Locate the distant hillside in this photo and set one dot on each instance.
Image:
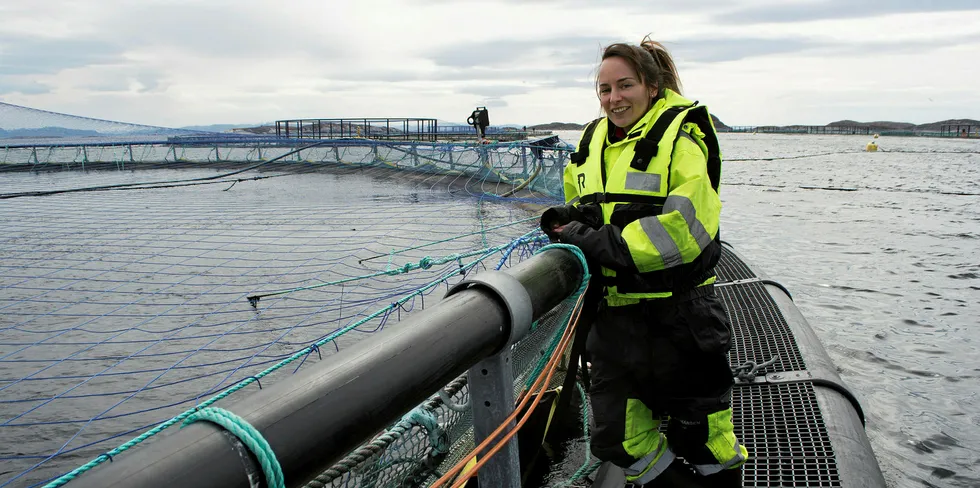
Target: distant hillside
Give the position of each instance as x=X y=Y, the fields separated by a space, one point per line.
x=213 y=127
x=719 y=125
x=46 y=132
x=880 y=125
x=938 y=125
x=557 y=126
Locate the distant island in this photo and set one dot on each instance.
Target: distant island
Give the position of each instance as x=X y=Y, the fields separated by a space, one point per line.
x=942 y=128
x=719 y=125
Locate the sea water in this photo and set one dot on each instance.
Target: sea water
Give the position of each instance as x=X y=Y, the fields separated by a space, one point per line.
x=878 y=249
x=881 y=252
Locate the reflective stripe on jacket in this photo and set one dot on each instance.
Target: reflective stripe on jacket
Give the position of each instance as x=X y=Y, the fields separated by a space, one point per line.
x=660 y=213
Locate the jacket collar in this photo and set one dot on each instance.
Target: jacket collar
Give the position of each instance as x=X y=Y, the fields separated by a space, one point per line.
x=669 y=99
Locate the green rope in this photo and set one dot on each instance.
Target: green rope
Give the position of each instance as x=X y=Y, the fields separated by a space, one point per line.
x=543 y=360
x=424 y=263
x=249 y=436
x=64 y=479
x=380 y=442
x=587 y=467
x=399 y=251
x=479 y=213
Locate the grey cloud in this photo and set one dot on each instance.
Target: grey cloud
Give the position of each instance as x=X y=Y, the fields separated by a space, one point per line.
x=47 y=56
x=733 y=49
x=553 y=76
x=120 y=80
x=495 y=91
x=494 y=103
x=838 y=9
x=219 y=29
x=31 y=87
x=559 y=51
x=627 y=6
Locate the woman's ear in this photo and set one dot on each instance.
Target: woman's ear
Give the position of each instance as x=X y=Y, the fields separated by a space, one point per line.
x=653 y=92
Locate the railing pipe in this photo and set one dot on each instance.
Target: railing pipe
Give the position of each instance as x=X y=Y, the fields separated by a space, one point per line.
x=315 y=417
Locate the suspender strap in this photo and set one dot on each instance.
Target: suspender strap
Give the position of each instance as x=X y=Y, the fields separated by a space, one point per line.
x=701 y=117
x=646 y=148
x=579 y=157
x=620 y=198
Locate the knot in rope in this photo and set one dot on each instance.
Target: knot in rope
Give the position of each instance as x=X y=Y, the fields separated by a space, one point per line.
x=438 y=437
x=249 y=436
x=425 y=263
x=747 y=370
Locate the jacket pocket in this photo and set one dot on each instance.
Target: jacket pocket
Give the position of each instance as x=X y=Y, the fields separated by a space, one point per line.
x=709 y=326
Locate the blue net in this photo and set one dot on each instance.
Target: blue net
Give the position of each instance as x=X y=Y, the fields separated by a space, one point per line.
x=130 y=269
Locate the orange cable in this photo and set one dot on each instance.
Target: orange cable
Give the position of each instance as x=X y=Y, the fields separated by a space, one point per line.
x=510 y=434
x=573 y=321
x=462 y=463
x=551 y=367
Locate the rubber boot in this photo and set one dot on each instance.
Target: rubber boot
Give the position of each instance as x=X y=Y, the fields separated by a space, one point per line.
x=729 y=478
x=677 y=475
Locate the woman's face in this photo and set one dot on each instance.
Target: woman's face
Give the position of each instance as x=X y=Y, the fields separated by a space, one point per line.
x=622 y=95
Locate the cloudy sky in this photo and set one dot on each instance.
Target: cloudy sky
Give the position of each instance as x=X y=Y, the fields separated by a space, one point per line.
x=175 y=63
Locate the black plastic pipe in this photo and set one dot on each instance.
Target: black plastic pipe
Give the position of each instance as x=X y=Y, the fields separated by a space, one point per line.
x=315 y=417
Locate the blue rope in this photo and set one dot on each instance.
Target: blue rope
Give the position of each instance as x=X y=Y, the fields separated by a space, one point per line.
x=249 y=436
x=295 y=356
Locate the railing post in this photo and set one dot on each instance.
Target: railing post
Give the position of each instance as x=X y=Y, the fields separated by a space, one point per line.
x=492 y=400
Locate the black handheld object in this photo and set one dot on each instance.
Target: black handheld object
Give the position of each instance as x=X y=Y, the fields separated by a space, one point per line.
x=479 y=119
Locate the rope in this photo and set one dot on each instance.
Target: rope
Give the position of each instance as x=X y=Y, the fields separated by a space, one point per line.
x=64 y=479
x=376 y=445
x=746 y=371
x=424 y=263
x=152 y=184
x=587 y=467
x=249 y=436
x=557 y=339
x=399 y=251
x=542 y=382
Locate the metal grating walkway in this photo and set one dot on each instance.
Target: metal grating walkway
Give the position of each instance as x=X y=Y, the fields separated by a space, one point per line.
x=730 y=268
x=780 y=424
x=761 y=331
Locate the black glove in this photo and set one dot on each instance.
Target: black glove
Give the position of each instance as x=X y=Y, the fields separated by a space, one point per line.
x=590 y=215
x=604 y=245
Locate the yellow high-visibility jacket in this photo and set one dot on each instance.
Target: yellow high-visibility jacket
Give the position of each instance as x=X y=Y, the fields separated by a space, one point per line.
x=658 y=193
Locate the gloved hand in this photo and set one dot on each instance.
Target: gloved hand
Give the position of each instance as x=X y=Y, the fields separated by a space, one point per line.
x=604 y=245
x=556 y=217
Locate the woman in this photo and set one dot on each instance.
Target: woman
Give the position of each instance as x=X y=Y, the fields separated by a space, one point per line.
x=642 y=204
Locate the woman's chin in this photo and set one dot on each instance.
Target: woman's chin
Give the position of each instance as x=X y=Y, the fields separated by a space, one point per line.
x=622 y=120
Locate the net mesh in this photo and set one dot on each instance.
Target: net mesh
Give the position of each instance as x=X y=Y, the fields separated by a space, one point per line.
x=127 y=269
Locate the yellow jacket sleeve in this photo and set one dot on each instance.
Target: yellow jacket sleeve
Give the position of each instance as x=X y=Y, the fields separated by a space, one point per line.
x=689 y=221
x=568 y=184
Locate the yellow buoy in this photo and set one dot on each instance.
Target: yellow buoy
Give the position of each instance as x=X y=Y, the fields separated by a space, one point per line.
x=873 y=145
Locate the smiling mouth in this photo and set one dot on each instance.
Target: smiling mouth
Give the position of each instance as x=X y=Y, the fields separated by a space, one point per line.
x=619 y=110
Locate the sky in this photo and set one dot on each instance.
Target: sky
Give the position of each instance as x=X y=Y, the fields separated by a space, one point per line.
x=752 y=62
